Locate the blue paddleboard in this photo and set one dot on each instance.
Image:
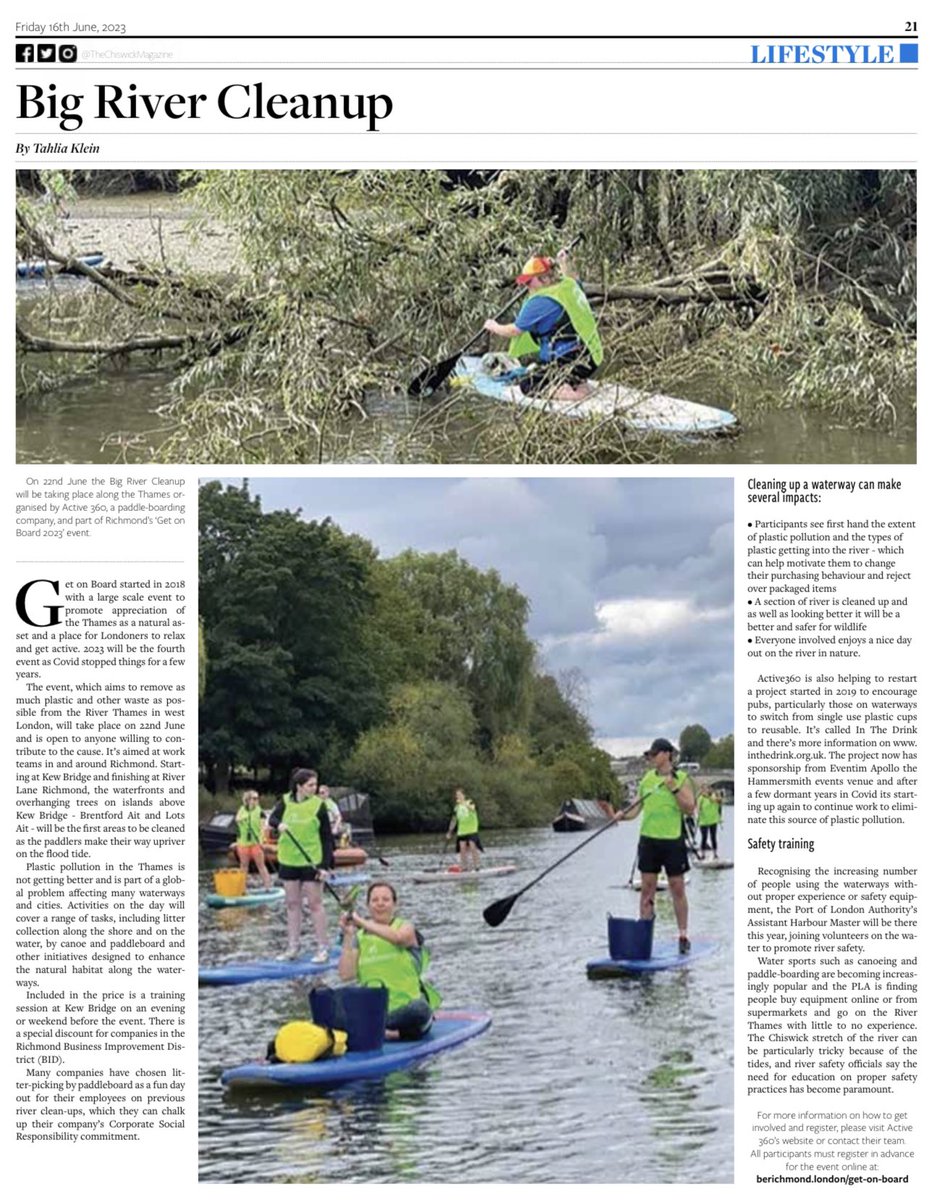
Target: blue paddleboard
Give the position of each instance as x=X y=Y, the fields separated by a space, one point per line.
x=249 y=900
x=40 y=267
x=449 y=1029
x=264 y=968
x=348 y=878
x=665 y=957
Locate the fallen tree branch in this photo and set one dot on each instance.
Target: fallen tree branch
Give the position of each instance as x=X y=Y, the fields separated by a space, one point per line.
x=30 y=341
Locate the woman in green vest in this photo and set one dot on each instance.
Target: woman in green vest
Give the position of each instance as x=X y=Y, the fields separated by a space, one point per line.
x=250 y=826
x=665 y=799
x=709 y=817
x=384 y=950
x=305 y=858
x=465 y=824
x=557 y=328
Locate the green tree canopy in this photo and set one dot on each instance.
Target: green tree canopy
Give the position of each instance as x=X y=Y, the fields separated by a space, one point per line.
x=693 y=743
x=471 y=633
x=720 y=755
x=283 y=601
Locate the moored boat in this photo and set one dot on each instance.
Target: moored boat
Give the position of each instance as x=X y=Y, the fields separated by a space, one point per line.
x=577 y=815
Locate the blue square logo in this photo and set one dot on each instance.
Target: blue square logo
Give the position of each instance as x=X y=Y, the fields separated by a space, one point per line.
x=907 y=52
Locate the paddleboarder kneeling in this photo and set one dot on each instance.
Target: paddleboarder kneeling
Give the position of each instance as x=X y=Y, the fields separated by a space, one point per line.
x=384 y=950
x=465 y=825
x=665 y=799
x=557 y=328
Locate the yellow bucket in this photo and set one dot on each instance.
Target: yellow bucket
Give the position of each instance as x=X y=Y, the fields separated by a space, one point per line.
x=229 y=881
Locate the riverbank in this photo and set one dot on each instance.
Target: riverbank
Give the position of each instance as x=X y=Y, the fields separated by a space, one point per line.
x=151 y=228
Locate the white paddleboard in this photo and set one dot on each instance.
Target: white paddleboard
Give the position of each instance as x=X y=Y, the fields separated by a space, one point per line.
x=642 y=411
x=445 y=875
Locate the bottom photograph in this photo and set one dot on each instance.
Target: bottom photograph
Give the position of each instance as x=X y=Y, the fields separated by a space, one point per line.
x=466 y=835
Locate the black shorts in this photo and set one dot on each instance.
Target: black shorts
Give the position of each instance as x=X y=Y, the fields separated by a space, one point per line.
x=656 y=853
x=463 y=839
x=305 y=874
x=572 y=368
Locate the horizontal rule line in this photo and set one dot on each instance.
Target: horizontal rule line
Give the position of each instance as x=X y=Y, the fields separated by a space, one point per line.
x=857 y=133
x=456 y=37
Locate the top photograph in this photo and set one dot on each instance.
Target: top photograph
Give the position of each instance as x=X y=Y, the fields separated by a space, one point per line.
x=466 y=316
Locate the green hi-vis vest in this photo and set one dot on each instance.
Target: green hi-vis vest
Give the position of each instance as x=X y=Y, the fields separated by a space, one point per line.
x=303 y=820
x=570 y=294
x=661 y=814
x=249 y=822
x=708 y=811
x=398 y=968
x=466 y=819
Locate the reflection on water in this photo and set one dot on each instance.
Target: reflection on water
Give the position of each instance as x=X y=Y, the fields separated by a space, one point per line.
x=626 y=1080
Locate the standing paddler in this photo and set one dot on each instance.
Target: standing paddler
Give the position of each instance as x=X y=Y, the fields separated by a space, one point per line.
x=665 y=799
x=250 y=831
x=709 y=818
x=305 y=858
x=556 y=327
x=465 y=824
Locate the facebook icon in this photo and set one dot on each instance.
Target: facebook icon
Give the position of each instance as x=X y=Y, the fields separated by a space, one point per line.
x=25 y=52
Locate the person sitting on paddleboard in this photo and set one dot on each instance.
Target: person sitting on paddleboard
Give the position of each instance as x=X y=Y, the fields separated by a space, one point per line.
x=465 y=824
x=305 y=858
x=557 y=328
x=384 y=950
x=665 y=799
x=250 y=825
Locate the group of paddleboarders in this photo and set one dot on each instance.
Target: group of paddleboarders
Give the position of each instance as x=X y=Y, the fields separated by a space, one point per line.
x=555 y=328
x=385 y=950
x=380 y=950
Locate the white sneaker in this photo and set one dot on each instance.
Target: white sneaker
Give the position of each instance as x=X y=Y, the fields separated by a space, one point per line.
x=322 y=955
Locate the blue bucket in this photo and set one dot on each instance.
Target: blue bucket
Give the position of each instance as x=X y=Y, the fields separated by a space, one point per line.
x=360 y=1011
x=629 y=939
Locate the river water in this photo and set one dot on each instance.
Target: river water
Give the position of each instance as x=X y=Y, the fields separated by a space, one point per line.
x=115 y=418
x=577 y=1081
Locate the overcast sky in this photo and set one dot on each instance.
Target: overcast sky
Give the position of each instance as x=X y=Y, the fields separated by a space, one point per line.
x=630 y=581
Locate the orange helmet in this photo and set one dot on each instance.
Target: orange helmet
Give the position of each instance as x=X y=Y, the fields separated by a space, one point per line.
x=535 y=266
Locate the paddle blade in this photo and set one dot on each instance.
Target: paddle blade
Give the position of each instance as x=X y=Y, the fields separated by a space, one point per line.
x=433 y=377
x=496 y=914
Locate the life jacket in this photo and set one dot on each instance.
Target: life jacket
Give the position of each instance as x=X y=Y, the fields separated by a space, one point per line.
x=662 y=818
x=398 y=968
x=302 y=819
x=708 y=810
x=570 y=295
x=466 y=819
x=249 y=823
x=303 y=1042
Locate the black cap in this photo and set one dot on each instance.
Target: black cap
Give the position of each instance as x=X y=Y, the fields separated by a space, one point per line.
x=660 y=744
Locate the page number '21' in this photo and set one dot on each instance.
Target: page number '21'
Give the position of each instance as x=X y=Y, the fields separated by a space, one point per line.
x=910 y=26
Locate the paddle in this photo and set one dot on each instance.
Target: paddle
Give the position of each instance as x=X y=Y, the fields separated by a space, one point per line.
x=434 y=376
x=340 y=900
x=495 y=914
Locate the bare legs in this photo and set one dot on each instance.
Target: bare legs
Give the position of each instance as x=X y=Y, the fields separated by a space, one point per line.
x=676 y=886
x=296 y=893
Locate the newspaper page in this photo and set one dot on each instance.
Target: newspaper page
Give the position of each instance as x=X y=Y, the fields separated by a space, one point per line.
x=465 y=590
